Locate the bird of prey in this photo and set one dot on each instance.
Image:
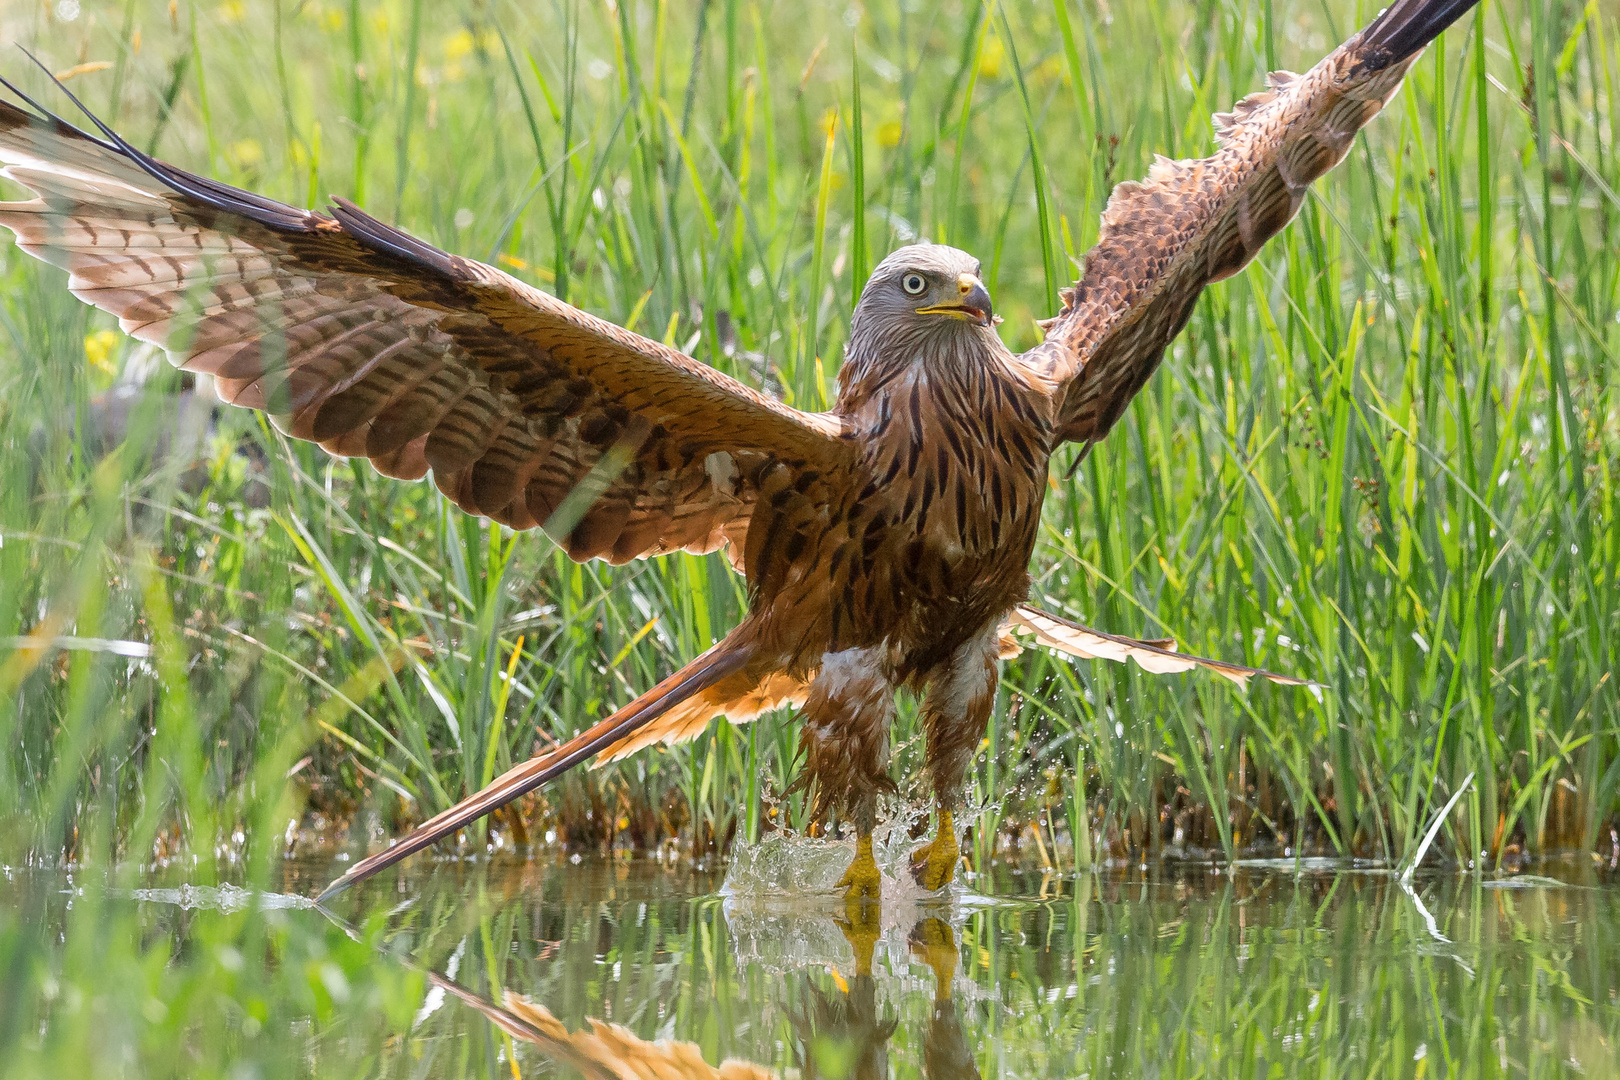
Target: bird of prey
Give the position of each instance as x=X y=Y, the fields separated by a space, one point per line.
x=885 y=542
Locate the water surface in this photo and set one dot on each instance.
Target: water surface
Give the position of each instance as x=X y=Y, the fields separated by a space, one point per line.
x=641 y=968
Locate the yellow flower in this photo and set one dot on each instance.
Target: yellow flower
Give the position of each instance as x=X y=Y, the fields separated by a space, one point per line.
x=458 y=44
x=889 y=133
x=329 y=19
x=231 y=11
x=98 y=349
x=245 y=154
x=990 y=59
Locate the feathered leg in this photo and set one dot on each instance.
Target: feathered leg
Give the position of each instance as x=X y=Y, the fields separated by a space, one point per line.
x=845 y=739
x=955 y=715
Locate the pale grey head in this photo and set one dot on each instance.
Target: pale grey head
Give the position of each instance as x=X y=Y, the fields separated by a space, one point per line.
x=925 y=302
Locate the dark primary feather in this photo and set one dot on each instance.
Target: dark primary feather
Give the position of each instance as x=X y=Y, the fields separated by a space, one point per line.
x=45 y=114
x=1407 y=26
x=220 y=196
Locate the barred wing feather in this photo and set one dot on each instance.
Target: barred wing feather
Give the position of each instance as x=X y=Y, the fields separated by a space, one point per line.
x=1194 y=222
x=374 y=344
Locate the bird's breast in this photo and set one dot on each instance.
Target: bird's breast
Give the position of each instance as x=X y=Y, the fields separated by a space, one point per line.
x=960 y=466
x=957 y=480
x=924 y=543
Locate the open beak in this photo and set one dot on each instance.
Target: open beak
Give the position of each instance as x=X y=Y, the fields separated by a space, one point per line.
x=972 y=302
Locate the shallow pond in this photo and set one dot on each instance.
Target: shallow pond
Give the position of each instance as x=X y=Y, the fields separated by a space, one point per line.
x=636 y=968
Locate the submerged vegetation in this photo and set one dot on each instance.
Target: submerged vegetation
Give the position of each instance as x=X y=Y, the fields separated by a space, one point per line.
x=1386 y=456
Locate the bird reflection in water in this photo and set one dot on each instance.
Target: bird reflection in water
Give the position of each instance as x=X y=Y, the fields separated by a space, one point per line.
x=841 y=1031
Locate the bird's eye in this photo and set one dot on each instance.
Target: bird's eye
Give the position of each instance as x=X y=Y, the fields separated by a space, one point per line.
x=913 y=284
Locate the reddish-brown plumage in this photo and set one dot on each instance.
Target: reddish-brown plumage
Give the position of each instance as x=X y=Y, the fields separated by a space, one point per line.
x=879 y=574
x=885 y=543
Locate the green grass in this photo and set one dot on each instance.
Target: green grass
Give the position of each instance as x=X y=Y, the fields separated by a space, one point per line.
x=1384 y=457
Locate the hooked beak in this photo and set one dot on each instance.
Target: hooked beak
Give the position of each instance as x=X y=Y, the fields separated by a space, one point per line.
x=972 y=303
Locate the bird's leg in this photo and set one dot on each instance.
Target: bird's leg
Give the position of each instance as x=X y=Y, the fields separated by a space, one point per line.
x=845 y=739
x=955 y=714
x=863 y=887
x=862 y=880
x=934 y=864
x=863 y=894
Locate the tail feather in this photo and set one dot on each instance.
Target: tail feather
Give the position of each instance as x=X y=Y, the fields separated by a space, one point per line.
x=724 y=660
x=739 y=698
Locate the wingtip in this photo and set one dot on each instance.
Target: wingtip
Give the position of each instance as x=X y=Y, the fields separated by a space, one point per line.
x=1407 y=26
x=1314 y=687
x=1150 y=656
x=43 y=115
x=719 y=661
x=212 y=193
x=332 y=890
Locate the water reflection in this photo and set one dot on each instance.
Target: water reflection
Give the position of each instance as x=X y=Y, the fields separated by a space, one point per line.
x=640 y=969
x=839 y=1031
x=1190 y=974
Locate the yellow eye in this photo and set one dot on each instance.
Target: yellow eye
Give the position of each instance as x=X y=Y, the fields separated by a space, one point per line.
x=913 y=284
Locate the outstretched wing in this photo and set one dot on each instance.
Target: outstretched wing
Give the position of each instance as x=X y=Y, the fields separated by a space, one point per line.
x=1193 y=222
x=371 y=343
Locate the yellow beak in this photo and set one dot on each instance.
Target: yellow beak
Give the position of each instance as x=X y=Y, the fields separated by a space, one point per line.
x=972 y=302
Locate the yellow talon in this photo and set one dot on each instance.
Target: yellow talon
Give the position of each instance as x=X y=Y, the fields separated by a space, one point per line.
x=933 y=865
x=863 y=887
x=862 y=880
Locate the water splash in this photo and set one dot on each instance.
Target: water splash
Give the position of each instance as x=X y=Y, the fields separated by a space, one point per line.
x=793 y=868
x=785 y=912
x=225 y=898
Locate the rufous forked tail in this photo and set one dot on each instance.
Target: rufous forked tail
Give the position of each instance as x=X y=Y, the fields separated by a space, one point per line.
x=719 y=665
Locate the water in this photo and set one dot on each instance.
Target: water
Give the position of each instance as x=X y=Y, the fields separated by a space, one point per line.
x=646 y=969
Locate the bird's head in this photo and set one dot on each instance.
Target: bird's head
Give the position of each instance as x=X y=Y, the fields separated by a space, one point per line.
x=923 y=304
x=922 y=291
